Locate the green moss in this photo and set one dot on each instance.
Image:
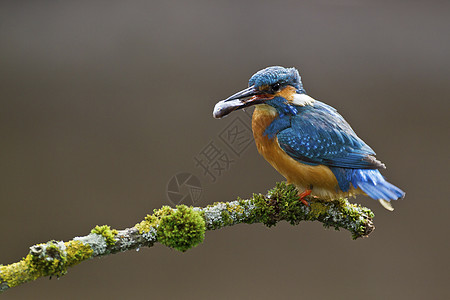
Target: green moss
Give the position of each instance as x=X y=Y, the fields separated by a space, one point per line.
x=107 y=233
x=367 y=211
x=15 y=274
x=318 y=209
x=180 y=229
x=281 y=204
x=350 y=211
x=150 y=221
x=48 y=259
x=184 y=227
x=226 y=219
x=265 y=210
x=353 y=214
x=77 y=252
x=235 y=209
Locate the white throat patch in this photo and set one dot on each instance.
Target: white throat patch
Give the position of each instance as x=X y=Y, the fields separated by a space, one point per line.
x=302 y=100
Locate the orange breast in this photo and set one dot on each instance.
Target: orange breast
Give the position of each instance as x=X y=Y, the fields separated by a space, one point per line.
x=320 y=177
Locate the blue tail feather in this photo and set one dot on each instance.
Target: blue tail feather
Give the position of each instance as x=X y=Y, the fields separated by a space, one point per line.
x=370 y=181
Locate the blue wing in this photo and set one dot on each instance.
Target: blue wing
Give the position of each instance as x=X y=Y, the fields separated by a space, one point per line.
x=319 y=135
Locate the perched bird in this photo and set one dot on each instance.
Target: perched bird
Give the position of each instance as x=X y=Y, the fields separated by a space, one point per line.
x=308 y=141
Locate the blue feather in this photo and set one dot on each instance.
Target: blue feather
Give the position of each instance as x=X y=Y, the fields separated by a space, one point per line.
x=271 y=75
x=370 y=181
x=319 y=135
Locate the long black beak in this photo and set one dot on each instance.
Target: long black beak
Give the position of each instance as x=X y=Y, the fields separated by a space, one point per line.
x=245 y=98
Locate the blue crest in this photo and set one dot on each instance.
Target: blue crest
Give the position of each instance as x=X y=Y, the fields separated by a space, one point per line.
x=271 y=75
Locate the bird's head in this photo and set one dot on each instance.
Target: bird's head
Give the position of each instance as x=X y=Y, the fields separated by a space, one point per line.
x=278 y=87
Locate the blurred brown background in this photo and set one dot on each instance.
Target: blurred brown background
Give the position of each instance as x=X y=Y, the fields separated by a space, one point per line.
x=102 y=102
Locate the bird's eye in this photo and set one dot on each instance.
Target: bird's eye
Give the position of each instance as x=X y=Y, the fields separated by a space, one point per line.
x=276 y=87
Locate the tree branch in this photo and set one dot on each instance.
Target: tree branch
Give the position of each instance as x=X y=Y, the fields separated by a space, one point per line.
x=184 y=227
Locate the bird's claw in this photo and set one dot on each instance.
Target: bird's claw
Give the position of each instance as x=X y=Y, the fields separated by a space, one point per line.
x=304 y=201
x=302 y=196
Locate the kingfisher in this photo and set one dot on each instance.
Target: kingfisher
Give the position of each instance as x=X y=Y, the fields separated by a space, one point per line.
x=308 y=141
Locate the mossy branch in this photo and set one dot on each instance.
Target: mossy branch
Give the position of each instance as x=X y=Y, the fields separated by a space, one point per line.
x=184 y=227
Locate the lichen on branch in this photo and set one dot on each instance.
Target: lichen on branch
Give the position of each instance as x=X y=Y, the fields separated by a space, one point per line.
x=184 y=227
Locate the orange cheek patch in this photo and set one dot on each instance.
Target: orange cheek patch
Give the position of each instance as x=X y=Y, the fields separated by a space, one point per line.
x=287 y=93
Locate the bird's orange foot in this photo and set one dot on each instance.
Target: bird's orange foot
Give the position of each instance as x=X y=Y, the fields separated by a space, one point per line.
x=302 y=196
